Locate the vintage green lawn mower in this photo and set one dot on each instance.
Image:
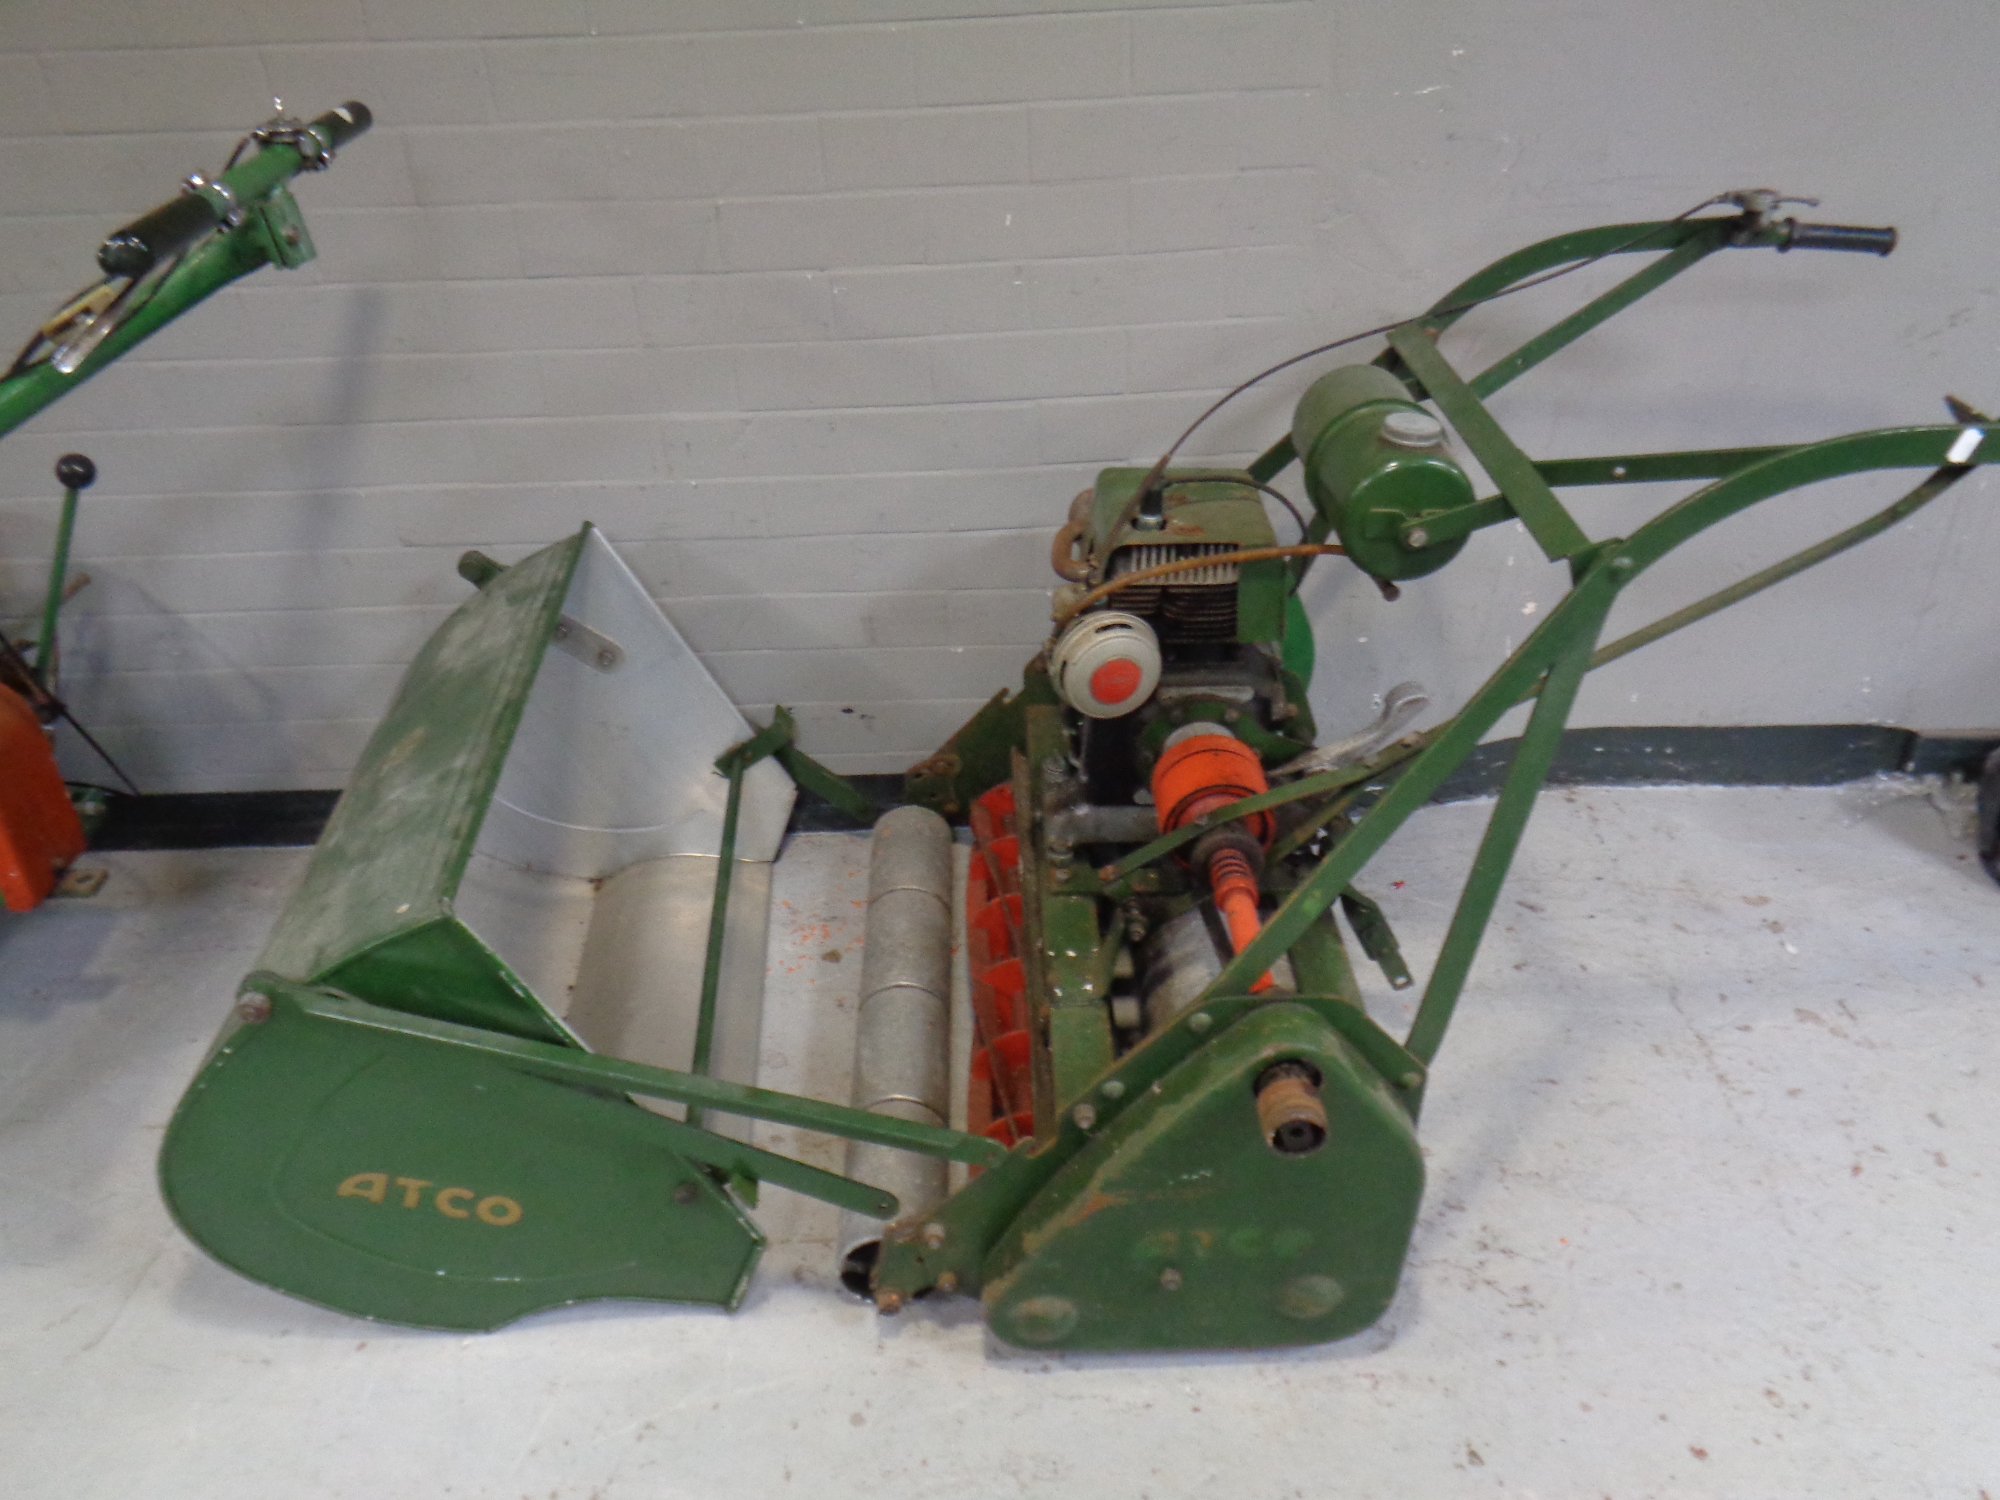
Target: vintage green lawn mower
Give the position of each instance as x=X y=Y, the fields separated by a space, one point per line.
x=499 y=1053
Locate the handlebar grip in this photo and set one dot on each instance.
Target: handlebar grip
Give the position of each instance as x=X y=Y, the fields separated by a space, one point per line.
x=1837 y=237
x=179 y=222
x=343 y=124
x=158 y=235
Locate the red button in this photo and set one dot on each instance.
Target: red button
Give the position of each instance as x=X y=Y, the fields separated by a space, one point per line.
x=1116 y=680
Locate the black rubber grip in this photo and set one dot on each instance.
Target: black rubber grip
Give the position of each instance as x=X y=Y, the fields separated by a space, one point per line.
x=1838 y=237
x=342 y=125
x=158 y=235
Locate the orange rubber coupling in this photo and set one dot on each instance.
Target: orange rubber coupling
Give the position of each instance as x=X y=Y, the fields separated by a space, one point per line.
x=1206 y=771
x=1196 y=776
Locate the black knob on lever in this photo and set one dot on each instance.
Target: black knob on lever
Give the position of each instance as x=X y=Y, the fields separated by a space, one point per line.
x=75 y=471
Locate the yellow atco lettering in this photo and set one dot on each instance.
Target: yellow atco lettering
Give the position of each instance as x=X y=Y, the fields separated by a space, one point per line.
x=495 y=1209
x=498 y=1210
x=444 y=1201
x=370 y=1185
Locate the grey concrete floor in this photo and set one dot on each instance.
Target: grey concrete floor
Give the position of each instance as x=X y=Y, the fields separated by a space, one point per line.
x=1713 y=1210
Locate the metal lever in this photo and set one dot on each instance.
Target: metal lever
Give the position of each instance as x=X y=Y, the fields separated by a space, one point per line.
x=1400 y=706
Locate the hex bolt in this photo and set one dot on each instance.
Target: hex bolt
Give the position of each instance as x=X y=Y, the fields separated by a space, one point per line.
x=685 y=1193
x=1170 y=1279
x=934 y=1236
x=607 y=658
x=1085 y=1115
x=254 y=1007
x=888 y=1302
x=1416 y=536
x=947 y=1283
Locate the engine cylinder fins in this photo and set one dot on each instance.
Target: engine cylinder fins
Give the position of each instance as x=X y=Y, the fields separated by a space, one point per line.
x=1199 y=605
x=1106 y=664
x=902 y=1033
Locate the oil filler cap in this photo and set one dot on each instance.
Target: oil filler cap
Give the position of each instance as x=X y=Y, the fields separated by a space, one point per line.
x=1410 y=427
x=1106 y=664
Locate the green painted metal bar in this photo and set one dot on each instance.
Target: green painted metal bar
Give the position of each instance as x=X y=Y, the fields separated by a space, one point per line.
x=1555 y=531
x=203 y=270
x=1525 y=776
x=1384 y=762
x=1561 y=249
x=1304 y=834
x=1648 y=468
x=739 y=1161
x=734 y=763
x=1622 y=468
x=1940 y=481
x=718 y=928
x=1269 y=464
x=46 y=665
x=1376 y=936
x=1577 y=614
x=1587 y=317
x=570 y=1065
x=830 y=785
x=1167 y=843
x=1856 y=453
x=1445 y=525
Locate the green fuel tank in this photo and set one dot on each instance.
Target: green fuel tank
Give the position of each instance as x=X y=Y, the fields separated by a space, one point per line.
x=1374 y=461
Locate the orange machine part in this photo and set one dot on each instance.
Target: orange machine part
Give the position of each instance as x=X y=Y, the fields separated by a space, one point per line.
x=39 y=830
x=1000 y=1095
x=1196 y=776
x=1204 y=772
x=1235 y=885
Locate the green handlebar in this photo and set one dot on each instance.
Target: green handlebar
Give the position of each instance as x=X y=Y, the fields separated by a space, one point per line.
x=206 y=206
x=234 y=202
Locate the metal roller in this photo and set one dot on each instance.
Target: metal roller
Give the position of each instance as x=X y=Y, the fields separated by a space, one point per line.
x=909 y=940
x=903 y=1032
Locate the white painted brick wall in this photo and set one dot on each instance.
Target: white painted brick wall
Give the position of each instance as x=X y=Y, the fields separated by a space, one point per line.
x=823 y=311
